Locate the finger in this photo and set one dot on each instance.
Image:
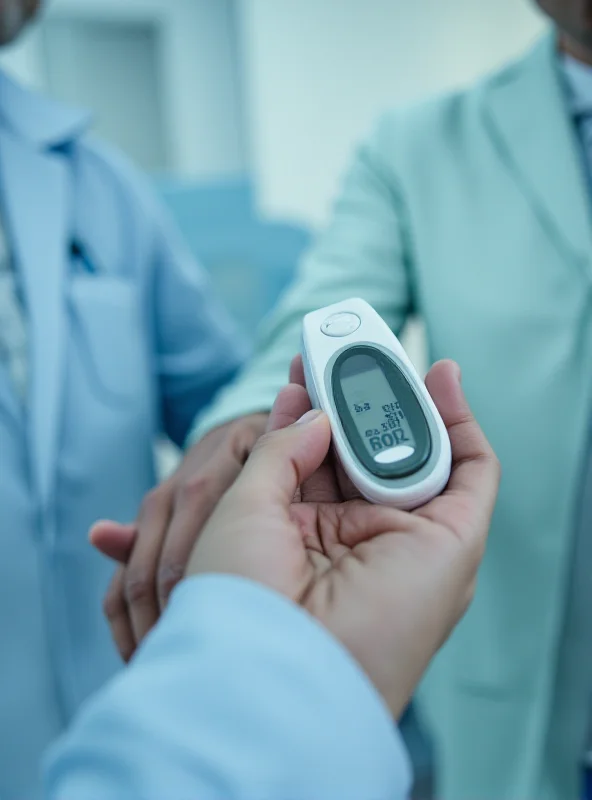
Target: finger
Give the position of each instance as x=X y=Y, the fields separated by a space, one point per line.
x=141 y=572
x=297 y=371
x=346 y=486
x=475 y=474
x=116 y=611
x=291 y=404
x=283 y=460
x=114 y=540
x=325 y=485
x=195 y=502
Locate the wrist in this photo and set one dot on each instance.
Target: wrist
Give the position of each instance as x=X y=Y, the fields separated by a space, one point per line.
x=393 y=657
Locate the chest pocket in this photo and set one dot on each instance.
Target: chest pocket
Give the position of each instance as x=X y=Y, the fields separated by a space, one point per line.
x=107 y=329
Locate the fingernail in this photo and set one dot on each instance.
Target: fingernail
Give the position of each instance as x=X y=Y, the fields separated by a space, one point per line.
x=309 y=417
x=458 y=373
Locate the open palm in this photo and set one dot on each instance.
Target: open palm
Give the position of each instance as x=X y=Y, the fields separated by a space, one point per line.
x=292 y=522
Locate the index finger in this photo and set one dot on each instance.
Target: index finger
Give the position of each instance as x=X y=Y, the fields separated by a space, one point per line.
x=469 y=499
x=297 y=371
x=113 y=539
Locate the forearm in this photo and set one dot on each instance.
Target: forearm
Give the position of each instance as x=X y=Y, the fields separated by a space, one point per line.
x=363 y=254
x=258 y=384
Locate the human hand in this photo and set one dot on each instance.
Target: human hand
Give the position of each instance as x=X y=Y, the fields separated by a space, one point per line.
x=391 y=585
x=155 y=549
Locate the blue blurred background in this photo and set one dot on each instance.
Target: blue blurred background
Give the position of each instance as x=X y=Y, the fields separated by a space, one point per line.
x=251 y=260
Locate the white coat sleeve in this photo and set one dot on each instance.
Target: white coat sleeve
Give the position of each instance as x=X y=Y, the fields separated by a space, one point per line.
x=237 y=695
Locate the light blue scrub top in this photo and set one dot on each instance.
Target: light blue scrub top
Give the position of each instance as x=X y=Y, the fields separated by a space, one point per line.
x=237 y=695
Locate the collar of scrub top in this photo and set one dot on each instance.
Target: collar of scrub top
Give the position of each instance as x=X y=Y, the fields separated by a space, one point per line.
x=578 y=83
x=33 y=131
x=44 y=122
x=47 y=124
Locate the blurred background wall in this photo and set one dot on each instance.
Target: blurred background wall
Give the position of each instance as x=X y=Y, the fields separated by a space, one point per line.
x=318 y=72
x=278 y=90
x=162 y=76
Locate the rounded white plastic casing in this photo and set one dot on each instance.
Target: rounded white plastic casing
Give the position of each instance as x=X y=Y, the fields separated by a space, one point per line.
x=326 y=334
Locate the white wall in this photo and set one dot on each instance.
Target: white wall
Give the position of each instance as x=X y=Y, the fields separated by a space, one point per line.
x=319 y=72
x=200 y=80
x=115 y=67
x=204 y=86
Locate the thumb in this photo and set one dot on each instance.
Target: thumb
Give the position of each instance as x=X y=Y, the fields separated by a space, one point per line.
x=114 y=540
x=283 y=460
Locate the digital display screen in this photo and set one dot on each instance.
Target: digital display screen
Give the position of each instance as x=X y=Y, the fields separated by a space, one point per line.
x=376 y=411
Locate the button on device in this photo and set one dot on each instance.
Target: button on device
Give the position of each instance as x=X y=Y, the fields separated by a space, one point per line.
x=394 y=454
x=341 y=324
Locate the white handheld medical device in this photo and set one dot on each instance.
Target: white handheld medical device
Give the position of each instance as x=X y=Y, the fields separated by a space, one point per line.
x=387 y=431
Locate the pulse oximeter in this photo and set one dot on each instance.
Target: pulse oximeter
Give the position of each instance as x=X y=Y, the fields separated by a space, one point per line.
x=387 y=432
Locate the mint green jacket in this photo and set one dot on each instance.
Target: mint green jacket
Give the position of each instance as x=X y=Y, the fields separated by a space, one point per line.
x=473 y=211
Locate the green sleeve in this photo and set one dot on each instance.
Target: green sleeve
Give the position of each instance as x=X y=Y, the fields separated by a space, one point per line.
x=364 y=253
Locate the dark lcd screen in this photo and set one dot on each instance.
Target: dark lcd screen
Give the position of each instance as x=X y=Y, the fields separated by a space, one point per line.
x=380 y=413
x=376 y=410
